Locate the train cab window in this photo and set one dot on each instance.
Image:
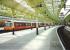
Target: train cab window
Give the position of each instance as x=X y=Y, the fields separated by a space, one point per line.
x=8 y=24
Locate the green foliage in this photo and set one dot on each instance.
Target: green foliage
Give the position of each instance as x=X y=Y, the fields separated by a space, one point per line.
x=67 y=19
x=15 y=9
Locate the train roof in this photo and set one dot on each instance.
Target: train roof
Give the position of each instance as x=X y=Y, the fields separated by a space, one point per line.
x=25 y=21
x=18 y=20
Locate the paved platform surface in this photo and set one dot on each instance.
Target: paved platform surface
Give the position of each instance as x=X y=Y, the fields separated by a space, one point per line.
x=28 y=40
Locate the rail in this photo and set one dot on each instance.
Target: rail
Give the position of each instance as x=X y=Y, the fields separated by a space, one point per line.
x=64 y=37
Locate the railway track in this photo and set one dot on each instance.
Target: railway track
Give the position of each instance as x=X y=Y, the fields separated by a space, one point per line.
x=64 y=36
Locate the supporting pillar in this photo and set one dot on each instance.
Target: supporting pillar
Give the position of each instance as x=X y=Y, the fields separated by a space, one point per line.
x=31 y=26
x=44 y=26
x=13 y=33
x=48 y=25
x=37 y=31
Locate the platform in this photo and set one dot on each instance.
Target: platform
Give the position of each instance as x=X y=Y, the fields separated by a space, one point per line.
x=28 y=40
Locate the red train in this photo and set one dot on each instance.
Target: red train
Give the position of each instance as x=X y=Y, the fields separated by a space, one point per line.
x=17 y=25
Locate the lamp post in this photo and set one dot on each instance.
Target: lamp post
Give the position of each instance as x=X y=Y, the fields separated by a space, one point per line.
x=37 y=32
x=44 y=26
x=38 y=6
x=13 y=14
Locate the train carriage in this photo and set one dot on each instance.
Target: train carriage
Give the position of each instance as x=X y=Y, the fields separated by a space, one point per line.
x=18 y=25
x=21 y=25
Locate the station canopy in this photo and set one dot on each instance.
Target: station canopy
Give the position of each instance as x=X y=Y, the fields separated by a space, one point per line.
x=40 y=10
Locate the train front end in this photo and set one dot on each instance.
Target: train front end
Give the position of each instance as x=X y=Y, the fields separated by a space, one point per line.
x=8 y=26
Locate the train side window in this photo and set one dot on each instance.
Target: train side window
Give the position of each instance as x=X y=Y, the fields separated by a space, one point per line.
x=24 y=24
x=28 y=24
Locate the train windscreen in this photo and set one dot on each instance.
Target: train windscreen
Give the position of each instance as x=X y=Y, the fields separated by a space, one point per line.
x=8 y=24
